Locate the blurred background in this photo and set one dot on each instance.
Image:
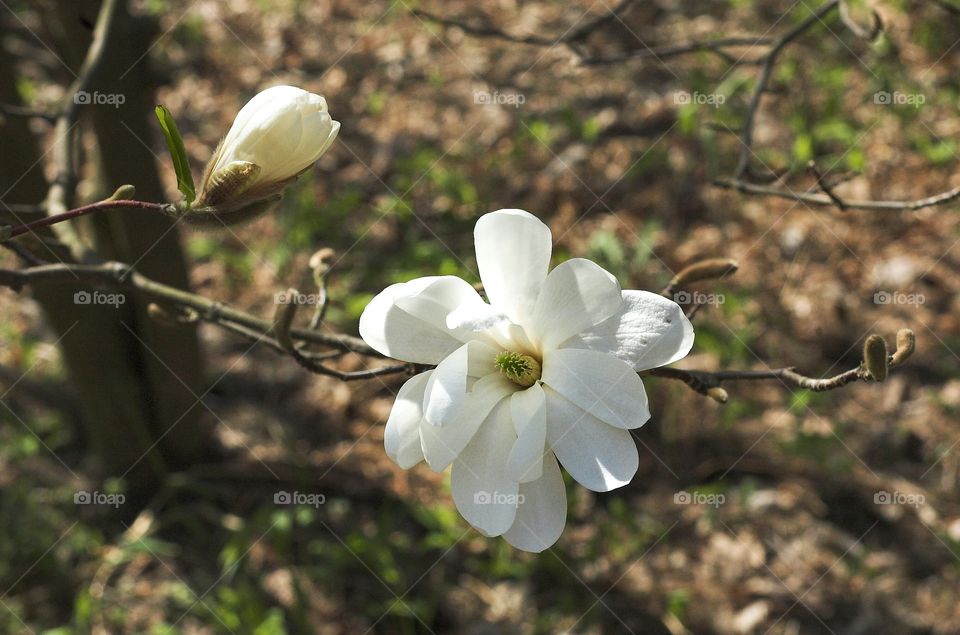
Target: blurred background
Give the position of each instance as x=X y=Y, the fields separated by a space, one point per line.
x=140 y=461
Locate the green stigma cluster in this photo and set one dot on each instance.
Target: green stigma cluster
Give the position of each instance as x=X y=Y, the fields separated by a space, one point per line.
x=519 y=368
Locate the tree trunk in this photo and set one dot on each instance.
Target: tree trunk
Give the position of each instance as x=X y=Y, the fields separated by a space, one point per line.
x=139 y=383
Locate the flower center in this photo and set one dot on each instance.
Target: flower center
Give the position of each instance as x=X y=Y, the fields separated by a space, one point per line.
x=519 y=368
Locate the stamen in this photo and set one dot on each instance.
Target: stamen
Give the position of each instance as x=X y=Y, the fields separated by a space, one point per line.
x=519 y=368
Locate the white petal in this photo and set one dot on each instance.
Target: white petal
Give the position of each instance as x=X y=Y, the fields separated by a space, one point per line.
x=441 y=445
x=598 y=456
x=528 y=409
x=432 y=298
x=542 y=512
x=512 y=337
x=282 y=129
x=331 y=136
x=269 y=145
x=398 y=334
x=476 y=318
x=401 y=437
x=649 y=331
x=263 y=107
x=481 y=359
x=450 y=383
x=603 y=385
x=576 y=295
x=447 y=389
x=513 y=253
x=482 y=490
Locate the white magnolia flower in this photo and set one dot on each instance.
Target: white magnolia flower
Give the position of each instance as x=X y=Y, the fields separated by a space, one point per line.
x=546 y=371
x=277 y=135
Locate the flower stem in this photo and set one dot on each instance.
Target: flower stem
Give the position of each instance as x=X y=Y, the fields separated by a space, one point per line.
x=85 y=210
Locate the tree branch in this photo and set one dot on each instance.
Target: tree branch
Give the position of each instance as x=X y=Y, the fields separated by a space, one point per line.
x=61 y=192
x=577 y=35
x=768 y=60
x=828 y=197
x=707 y=382
x=92 y=208
x=874 y=367
x=673 y=50
x=569 y=38
x=19 y=111
x=825 y=199
x=120 y=275
x=280 y=335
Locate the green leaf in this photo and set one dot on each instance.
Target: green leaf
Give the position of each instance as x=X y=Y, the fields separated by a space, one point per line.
x=175 y=144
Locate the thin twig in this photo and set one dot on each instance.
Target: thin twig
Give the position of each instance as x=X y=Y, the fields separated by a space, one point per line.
x=766 y=72
x=952 y=8
x=826 y=187
x=23 y=253
x=11 y=110
x=828 y=197
x=481 y=30
x=702 y=380
x=281 y=330
x=577 y=35
x=824 y=199
x=122 y=276
x=570 y=38
x=61 y=192
x=673 y=50
x=92 y=208
x=869 y=34
x=22 y=209
x=875 y=366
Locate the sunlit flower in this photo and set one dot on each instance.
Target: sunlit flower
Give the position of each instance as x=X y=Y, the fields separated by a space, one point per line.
x=276 y=136
x=544 y=371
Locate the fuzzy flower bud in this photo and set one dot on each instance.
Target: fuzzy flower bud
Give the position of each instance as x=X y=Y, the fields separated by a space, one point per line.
x=906 y=344
x=875 y=357
x=277 y=136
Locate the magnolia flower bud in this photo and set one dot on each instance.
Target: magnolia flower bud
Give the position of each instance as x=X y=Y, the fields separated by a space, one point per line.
x=875 y=357
x=906 y=344
x=277 y=136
